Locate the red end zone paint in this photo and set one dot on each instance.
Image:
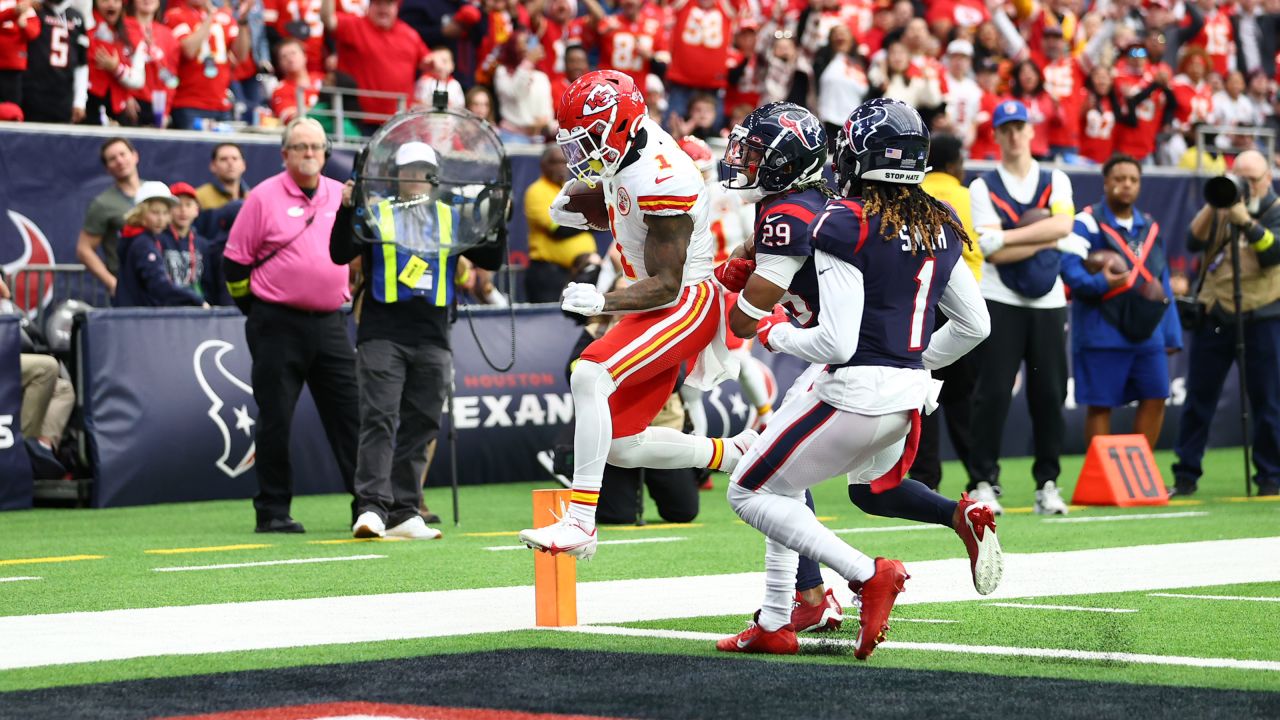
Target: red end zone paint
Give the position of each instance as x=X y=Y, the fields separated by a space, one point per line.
x=378 y=711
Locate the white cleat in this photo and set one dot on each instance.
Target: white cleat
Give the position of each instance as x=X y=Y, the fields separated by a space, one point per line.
x=415 y=528
x=369 y=525
x=984 y=493
x=1049 y=500
x=735 y=447
x=566 y=535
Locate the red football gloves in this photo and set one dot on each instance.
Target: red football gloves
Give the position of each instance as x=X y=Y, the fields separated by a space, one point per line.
x=733 y=274
x=767 y=323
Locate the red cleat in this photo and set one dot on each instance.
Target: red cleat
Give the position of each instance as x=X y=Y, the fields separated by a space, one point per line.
x=975 y=523
x=756 y=639
x=877 y=596
x=822 y=617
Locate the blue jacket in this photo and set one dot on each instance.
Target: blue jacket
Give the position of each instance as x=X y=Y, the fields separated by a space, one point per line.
x=160 y=271
x=1089 y=328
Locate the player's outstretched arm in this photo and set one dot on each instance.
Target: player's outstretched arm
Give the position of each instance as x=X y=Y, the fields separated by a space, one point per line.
x=970 y=324
x=664 y=254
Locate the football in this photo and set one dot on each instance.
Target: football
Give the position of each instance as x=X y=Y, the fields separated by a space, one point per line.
x=1099 y=259
x=1034 y=215
x=590 y=202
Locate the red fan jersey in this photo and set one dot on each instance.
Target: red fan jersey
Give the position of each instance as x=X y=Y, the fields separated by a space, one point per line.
x=1040 y=110
x=1218 y=40
x=1195 y=102
x=1097 y=136
x=499 y=26
x=700 y=43
x=299 y=19
x=1139 y=141
x=382 y=60
x=203 y=80
x=628 y=45
x=1064 y=82
x=157 y=44
x=746 y=81
x=103 y=84
x=960 y=13
x=284 y=101
x=984 y=145
x=15 y=32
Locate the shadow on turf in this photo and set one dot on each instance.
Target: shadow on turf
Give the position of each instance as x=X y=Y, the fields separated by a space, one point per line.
x=630 y=685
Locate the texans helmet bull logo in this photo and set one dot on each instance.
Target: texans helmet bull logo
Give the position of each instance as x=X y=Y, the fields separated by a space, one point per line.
x=30 y=291
x=231 y=406
x=861 y=128
x=805 y=128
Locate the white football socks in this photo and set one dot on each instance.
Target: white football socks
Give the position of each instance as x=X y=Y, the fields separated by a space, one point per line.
x=592 y=386
x=786 y=519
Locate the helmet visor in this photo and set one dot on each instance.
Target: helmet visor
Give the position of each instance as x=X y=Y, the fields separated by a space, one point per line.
x=742 y=160
x=582 y=154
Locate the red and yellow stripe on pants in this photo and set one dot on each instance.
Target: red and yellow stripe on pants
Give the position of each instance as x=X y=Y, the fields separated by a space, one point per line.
x=644 y=351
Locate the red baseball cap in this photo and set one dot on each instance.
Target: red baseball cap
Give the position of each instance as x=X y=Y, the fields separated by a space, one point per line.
x=180 y=188
x=10 y=112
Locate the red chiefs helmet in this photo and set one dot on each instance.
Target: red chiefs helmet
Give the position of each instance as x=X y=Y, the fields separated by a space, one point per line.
x=699 y=152
x=599 y=115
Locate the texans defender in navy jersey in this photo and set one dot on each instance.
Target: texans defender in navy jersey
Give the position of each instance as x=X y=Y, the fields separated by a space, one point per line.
x=882 y=256
x=774 y=159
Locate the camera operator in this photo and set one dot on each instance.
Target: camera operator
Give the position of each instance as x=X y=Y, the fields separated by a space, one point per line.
x=1252 y=223
x=403 y=358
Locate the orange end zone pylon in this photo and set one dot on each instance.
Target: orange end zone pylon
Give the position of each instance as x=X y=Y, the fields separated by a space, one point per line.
x=1120 y=470
x=555 y=577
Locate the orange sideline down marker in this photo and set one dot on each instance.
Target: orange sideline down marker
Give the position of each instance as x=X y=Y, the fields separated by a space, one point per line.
x=1120 y=470
x=555 y=577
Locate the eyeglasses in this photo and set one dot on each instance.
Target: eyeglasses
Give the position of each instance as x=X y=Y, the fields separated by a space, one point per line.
x=303 y=147
x=783 y=35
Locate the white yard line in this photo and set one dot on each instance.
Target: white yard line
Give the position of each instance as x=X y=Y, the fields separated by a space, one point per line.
x=891 y=528
x=1053 y=653
x=1216 y=597
x=1142 y=516
x=267 y=563
x=637 y=541
x=18 y=579
x=917 y=620
x=60 y=638
x=1072 y=608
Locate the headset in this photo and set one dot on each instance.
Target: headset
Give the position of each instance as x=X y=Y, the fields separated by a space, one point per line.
x=309 y=121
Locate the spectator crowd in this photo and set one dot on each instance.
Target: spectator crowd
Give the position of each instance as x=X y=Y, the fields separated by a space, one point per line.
x=1131 y=76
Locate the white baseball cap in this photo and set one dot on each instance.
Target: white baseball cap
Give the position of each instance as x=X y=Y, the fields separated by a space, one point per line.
x=154 y=190
x=960 y=47
x=416 y=152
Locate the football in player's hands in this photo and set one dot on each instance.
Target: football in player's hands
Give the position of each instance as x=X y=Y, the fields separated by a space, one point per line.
x=589 y=201
x=1099 y=259
x=1034 y=215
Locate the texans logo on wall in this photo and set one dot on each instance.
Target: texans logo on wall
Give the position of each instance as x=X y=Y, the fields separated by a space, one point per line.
x=231 y=406
x=35 y=250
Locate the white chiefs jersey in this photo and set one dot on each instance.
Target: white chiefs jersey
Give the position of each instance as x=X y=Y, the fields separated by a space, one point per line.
x=663 y=181
x=731 y=219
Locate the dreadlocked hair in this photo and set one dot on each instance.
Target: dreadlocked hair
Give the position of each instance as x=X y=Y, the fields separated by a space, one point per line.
x=816 y=184
x=909 y=208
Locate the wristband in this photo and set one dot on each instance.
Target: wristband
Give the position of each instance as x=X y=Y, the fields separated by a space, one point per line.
x=750 y=310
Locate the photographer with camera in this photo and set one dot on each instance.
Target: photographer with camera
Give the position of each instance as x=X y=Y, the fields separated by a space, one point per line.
x=1241 y=210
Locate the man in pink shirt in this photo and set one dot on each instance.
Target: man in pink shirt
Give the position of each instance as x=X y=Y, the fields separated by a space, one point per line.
x=279 y=273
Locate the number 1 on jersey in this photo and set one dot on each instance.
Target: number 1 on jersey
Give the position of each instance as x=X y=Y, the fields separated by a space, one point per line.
x=924 y=282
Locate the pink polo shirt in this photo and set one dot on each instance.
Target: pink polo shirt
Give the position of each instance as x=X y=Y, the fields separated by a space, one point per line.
x=278 y=215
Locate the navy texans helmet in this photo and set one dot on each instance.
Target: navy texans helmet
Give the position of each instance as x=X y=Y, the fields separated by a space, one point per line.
x=884 y=141
x=781 y=142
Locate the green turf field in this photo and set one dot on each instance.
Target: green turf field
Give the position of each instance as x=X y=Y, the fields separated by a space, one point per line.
x=91 y=560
